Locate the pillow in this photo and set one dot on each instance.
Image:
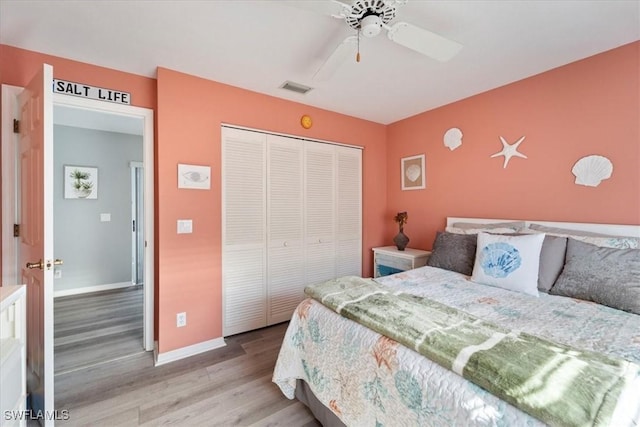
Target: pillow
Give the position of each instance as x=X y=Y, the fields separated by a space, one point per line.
x=565 y=231
x=508 y=262
x=499 y=230
x=454 y=252
x=515 y=225
x=619 y=242
x=552 y=258
x=607 y=276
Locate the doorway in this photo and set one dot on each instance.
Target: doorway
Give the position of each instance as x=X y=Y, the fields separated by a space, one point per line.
x=102 y=113
x=98 y=303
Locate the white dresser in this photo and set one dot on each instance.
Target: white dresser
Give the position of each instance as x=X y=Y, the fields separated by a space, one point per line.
x=13 y=339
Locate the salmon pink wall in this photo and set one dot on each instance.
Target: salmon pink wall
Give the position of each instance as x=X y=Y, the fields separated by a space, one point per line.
x=190 y=113
x=17 y=66
x=587 y=107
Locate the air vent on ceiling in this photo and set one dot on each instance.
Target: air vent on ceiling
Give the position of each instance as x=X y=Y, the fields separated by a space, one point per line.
x=295 y=87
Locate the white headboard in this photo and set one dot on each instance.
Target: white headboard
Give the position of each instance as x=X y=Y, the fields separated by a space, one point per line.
x=609 y=229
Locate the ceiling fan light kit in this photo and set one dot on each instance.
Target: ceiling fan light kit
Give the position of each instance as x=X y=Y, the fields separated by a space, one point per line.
x=369 y=17
x=370 y=26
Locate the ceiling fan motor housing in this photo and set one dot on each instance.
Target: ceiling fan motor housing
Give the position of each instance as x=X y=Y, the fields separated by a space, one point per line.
x=370 y=26
x=368 y=16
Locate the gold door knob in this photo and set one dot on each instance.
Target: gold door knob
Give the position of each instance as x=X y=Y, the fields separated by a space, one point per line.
x=55 y=262
x=38 y=265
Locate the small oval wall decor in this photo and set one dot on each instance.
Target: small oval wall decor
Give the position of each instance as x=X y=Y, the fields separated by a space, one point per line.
x=453 y=138
x=591 y=170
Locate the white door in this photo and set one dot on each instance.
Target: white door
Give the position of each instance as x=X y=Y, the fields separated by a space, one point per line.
x=36 y=234
x=319 y=195
x=285 y=227
x=244 y=253
x=349 y=211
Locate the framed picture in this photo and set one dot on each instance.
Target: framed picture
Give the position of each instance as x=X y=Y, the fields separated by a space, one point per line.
x=80 y=182
x=194 y=177
x=413 y=173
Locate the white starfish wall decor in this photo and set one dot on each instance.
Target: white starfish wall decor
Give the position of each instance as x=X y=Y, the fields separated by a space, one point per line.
x=509 y=151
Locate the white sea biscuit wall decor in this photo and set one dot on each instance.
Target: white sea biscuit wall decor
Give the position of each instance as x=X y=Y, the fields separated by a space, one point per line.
x=509 y=151
x=591 y=170
x=194 y=177
x=453 y=138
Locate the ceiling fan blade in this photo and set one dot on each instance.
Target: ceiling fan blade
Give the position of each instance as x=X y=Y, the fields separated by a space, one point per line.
x=423 y=41
x=337 y=57
x=333 y=8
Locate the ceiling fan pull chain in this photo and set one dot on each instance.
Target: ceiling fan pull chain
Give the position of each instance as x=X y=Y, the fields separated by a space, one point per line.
x=358 y=53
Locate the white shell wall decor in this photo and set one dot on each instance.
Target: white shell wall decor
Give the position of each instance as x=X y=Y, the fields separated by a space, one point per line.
x=413 y=173
x=509 y=151
x=453 y=138
x=591 y=170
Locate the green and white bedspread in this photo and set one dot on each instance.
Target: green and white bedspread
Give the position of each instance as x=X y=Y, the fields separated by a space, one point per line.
x=368 y=379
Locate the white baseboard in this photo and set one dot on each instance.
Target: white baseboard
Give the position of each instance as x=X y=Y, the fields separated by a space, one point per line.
x=181 y=353
x=87 y=289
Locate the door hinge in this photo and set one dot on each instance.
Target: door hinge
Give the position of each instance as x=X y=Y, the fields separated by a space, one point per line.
x=16 y=126
x=16 y=230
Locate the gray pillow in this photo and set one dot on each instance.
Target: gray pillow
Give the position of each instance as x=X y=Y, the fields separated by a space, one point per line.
x=551 y=261
x=565 y=231
x=515 y=225
x=454 y=252
x=607 y=276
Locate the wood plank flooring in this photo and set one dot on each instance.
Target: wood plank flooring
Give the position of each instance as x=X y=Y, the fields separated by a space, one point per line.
x=230 y=386
x=97 y=327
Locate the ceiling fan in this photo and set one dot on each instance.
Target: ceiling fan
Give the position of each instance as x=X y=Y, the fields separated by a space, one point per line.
x=369 y=18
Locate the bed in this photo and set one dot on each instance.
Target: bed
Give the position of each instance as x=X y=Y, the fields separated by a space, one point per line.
x=350 y=374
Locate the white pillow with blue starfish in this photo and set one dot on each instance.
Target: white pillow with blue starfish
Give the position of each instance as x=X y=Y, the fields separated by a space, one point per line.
x=508 y=262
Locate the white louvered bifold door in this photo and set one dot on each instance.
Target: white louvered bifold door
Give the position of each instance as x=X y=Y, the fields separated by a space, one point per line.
x=285 y=232
x=319 y=196
x=243 y=231
x=349 y=211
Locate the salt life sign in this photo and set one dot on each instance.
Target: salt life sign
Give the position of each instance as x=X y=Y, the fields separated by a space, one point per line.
x=91 y=92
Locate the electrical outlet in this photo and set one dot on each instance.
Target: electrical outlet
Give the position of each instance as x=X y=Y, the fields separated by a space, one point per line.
x=181 y=319
x=57 y=273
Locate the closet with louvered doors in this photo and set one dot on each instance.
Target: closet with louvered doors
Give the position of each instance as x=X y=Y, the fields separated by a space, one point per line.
x=305 y=215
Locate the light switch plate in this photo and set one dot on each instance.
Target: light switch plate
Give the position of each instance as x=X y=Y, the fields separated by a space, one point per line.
x=185 y=226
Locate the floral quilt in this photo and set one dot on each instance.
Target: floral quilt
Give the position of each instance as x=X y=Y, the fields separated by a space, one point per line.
x=368 y=379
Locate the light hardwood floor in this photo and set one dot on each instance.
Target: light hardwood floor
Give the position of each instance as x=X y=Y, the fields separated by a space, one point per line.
x=230 y=386
x=97 y=327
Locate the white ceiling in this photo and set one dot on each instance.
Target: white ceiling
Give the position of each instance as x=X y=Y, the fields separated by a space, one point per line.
x=99 y=120
x=259 y=44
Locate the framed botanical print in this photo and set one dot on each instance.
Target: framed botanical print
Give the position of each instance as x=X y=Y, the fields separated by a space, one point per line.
x=80 y=182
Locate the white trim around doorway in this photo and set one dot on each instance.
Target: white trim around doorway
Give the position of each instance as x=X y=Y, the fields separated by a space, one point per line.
x=148 y=159
x=10 y=195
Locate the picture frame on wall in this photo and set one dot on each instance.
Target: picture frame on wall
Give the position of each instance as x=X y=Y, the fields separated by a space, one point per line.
x=80 y=182
x=194 y=177
x=413 y=172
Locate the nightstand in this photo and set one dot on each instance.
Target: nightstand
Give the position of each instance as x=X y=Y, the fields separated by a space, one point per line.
x=389 y=260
